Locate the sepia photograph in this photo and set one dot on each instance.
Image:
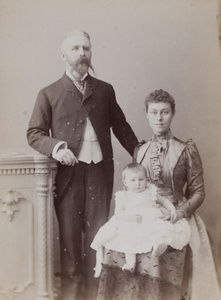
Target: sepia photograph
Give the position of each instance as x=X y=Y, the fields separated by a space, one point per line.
x=110 y=150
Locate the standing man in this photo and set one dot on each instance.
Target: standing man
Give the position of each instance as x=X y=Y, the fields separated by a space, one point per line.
x=71 y=122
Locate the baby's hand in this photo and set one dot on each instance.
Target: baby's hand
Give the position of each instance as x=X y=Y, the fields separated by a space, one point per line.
x=173 y=215
x=138 y=218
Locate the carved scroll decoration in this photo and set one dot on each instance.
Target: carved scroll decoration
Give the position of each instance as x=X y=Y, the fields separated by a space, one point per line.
x=11 y=291
x=9 y=200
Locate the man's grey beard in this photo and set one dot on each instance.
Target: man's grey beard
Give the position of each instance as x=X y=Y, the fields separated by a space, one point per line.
x=81 y=61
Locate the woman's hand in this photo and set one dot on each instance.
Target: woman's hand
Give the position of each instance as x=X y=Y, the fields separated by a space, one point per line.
x=179 y=215
x=173 y=217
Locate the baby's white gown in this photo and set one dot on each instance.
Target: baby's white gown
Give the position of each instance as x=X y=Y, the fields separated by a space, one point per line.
x=133 y=237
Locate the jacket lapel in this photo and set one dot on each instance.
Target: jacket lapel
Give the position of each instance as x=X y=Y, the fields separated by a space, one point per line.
x=142 y=152
x=175 y=150
x=70 y=87
x=88 y=88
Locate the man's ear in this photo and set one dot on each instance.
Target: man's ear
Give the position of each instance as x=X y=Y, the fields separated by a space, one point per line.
x=63 y=56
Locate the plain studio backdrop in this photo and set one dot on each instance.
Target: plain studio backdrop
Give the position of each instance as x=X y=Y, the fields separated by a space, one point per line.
x=137 y=46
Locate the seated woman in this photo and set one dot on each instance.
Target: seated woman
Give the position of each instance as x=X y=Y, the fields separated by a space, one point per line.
x=175 y=168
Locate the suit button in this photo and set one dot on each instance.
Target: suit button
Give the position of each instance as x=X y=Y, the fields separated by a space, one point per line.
x=81 y=121
x=78 y=139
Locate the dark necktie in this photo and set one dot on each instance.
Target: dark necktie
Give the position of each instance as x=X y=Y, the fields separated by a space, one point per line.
x=80 y=85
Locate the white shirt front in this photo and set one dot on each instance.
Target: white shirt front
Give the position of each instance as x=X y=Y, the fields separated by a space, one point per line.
x=90 y=150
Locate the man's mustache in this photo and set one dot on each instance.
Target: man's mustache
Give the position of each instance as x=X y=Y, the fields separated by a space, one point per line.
x=83 y=60
x=86 y=61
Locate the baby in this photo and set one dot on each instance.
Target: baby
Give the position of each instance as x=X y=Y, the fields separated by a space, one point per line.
x=137 y=225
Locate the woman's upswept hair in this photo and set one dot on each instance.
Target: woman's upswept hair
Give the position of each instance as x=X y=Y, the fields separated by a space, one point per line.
x=160 y=96
x=135 y=167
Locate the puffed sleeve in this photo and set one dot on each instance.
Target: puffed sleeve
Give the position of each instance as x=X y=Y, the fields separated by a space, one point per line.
x=195 y=183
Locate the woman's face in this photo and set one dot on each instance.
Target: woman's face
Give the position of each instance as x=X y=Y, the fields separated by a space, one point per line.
x=159 y=116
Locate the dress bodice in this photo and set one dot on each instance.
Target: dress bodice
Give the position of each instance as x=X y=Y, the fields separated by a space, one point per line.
x=157 y=162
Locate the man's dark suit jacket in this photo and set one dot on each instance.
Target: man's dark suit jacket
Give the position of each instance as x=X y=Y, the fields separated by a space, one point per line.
x=60 y=114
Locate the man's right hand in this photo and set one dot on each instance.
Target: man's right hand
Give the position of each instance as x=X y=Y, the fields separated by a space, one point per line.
x=66 y=157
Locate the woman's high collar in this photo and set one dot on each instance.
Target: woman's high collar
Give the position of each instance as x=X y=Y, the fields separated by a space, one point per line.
x=167 y=136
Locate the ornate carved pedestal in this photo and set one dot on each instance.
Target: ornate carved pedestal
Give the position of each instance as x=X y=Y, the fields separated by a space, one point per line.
x=27 y=227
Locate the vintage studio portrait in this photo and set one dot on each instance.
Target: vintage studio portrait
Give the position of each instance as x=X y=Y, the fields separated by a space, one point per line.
x=110 y=150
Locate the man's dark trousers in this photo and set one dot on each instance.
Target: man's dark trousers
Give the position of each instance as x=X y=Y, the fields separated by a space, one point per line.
x=83 y=208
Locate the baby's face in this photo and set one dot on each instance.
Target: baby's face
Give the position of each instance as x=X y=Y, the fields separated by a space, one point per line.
x=136 y=182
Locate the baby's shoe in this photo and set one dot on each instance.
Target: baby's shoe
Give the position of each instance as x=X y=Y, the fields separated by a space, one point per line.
x=128 y=267
x=159 y=248
x=97 y=270
x=99 y=260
